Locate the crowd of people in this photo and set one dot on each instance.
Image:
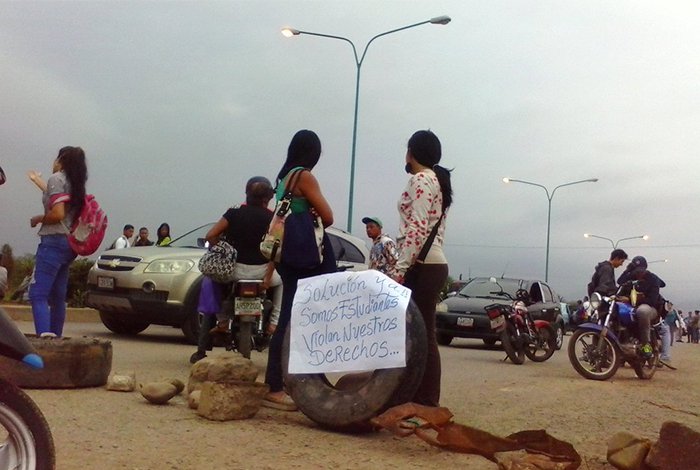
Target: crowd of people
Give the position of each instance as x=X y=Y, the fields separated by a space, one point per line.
x=127 y=239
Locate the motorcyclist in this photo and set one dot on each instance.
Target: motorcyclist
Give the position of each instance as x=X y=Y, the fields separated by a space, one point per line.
x=244 y=226
x=647 y=299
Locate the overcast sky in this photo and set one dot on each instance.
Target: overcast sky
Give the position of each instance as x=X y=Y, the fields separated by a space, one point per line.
x=177 y=104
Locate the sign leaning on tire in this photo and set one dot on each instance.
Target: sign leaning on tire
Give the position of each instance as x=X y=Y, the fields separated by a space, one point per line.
x=350 y=322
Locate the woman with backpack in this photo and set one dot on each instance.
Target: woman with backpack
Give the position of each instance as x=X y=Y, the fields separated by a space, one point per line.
x=63 y=198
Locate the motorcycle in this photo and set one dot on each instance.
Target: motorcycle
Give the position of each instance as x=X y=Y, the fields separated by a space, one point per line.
x=25 y=438
x=521 y=335
x=248 y=311
x=598 y=349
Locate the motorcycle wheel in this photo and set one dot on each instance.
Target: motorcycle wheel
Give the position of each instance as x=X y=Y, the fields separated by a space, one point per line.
x=245 y=338
x=646 y=368
x=545 y=344
x=588 y=361
x=27 y=443
x=507 y=335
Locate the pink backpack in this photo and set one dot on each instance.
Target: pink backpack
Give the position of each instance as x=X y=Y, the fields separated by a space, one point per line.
x=89 y=228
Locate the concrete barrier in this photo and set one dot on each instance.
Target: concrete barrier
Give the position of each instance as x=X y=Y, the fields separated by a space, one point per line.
x=19 y=312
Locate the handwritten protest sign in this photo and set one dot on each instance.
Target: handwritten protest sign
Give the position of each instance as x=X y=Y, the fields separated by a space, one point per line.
x=349 y=321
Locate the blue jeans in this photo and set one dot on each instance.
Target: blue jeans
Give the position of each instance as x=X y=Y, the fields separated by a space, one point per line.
x=47 y=290
x=665 y=333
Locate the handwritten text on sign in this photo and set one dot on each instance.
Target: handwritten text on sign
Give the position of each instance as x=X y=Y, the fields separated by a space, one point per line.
x=345 y=322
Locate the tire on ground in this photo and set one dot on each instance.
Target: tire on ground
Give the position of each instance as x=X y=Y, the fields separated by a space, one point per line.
x=122 y=325
x=356 y=398
x=190 y=324
x=443 y=339
x=68 y=363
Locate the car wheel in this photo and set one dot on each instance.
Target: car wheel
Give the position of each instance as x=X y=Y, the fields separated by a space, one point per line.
x=190 y=325
x=559 y=334
x=443 y=339
x=122 y=325
x=489 y=341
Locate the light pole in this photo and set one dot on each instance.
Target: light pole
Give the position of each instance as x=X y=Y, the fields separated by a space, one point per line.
x=658 y=261
x=615 y=243
x=289 y=32
x=549 y=209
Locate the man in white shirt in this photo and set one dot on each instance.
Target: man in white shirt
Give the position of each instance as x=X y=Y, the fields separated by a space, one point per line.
x=3 y=280
x=124 y=241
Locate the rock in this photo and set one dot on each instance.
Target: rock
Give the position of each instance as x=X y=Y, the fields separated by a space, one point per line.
x=678 y=447
x=193 y=399
x=122 y=382
x=627 y=451
x=223 y=401
x=225 y=367
x=179 y=385
x=158 y=392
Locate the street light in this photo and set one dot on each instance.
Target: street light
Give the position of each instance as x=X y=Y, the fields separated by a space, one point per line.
x=615 y=243
x=658 y=261
x=549 y=209
x=289 y=32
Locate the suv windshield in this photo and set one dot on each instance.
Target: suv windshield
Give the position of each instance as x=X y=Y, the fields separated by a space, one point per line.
x=484 y=287
x=192 y=239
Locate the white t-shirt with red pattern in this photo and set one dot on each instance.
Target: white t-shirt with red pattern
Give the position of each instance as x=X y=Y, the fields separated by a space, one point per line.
x=420 y=207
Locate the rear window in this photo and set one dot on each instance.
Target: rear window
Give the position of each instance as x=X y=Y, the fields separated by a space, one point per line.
x=345 y=251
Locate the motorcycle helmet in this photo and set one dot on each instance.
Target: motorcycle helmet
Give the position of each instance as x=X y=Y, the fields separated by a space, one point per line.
x=638 y=263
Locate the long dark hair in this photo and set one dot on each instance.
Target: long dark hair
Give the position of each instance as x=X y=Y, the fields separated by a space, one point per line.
x=426 y=149
x=72 y=160
x=161 y=237
x=304 y=150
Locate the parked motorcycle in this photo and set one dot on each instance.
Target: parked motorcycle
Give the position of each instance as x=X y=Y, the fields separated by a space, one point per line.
x=248 y=310
x=25 y=437
x=597 y=350
x=521 y=335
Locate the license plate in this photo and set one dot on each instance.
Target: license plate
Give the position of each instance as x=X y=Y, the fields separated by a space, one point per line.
x=105 y=282
x=248 y=306
x=465 y=321
x=497 y=322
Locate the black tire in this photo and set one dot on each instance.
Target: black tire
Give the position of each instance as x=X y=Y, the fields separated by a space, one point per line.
x=646 y=368
x=589 y=360
x=364 y=396
x=559 y=332
x=516 y=356
x=27 y=434
x=123 y=325
x=546 y=344
x=244 y=341
x=68 y=363
x=489 y=341
x=191 y=323
x=443 y=339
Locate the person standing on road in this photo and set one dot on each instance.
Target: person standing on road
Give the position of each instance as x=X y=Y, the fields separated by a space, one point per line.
x=142 y=239
x=302 y=156
x=423 y=207
x=124 y=240
x=63 y=196
x=383 y=255
x=671 y=320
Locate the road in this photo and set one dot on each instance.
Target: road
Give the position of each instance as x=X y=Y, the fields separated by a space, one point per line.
x=94 y=428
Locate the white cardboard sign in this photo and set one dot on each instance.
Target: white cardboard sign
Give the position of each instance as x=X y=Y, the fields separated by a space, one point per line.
x=349 y=321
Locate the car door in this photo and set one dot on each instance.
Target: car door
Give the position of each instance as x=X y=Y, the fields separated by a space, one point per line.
x=544 y=306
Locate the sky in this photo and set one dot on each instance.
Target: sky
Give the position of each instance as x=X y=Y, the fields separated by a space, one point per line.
x=177 y=104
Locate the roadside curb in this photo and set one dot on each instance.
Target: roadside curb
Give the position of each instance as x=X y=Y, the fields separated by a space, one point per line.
x=73 y=315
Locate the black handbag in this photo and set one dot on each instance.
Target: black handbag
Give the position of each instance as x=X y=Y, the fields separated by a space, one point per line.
x=411 y=276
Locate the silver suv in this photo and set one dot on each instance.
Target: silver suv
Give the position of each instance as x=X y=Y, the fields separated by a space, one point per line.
x=133 y=288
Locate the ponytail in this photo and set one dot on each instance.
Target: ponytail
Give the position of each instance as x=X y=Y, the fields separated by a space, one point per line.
x=444 y=178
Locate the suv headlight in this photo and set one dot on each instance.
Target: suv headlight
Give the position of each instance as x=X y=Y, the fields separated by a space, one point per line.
x=169 y=266
x=441 y=307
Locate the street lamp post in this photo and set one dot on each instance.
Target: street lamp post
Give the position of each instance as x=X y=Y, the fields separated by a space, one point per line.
x=289 y=32
x=615 y=243
x=549 y=209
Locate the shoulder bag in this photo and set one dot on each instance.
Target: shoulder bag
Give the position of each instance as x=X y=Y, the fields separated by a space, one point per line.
x=219 y=262
x=271 y=244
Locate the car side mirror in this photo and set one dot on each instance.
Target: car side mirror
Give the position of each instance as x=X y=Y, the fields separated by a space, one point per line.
x=202 y=242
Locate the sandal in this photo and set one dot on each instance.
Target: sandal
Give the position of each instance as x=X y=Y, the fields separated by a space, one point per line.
x=285 y=403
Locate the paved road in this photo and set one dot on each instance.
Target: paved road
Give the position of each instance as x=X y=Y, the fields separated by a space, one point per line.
x=94 y=428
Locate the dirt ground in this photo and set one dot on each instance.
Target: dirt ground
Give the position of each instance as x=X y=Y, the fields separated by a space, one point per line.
x=97 y=429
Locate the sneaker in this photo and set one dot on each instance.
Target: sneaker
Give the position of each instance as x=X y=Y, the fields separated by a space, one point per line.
x=646 y=350
x=198 y=356
x=279 y=402
x=48 y=334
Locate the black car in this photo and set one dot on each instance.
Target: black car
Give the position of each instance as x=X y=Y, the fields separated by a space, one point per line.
x=462 y=314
